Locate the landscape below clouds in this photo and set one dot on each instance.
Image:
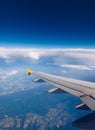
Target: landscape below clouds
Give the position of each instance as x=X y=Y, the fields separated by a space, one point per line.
x=20 y=94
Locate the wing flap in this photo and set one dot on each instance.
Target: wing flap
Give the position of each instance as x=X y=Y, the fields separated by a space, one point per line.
x=89 y=101
x=39 y=80
x=82 y=106
x=56 y=90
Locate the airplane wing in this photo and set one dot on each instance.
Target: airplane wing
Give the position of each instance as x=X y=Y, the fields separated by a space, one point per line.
x=82 y=89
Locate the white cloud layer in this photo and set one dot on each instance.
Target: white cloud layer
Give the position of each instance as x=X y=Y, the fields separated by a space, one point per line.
x=36 y=53
x=12 y=72
x=79 y=67
x=71 y=58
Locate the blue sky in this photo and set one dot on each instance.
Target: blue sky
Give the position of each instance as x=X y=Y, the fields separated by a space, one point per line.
x=47 y=23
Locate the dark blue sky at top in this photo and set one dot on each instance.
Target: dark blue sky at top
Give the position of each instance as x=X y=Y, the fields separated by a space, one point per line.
x=47 y=23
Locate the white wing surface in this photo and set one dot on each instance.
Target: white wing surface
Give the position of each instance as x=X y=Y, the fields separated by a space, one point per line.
x=82 y=89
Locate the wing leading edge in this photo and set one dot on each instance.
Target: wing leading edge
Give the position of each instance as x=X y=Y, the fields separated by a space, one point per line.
x=82 y=89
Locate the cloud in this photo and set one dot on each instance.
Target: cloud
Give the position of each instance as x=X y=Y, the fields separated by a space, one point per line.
x=11 y=73
x=83 y=59
x=64 y=71
x=4 y=74
x=33 y=55
x=79 y=67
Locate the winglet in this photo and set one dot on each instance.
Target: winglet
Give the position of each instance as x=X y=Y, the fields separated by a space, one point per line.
x=29 y=71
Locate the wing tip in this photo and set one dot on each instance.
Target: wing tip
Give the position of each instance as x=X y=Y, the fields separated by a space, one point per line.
x=29 y=71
